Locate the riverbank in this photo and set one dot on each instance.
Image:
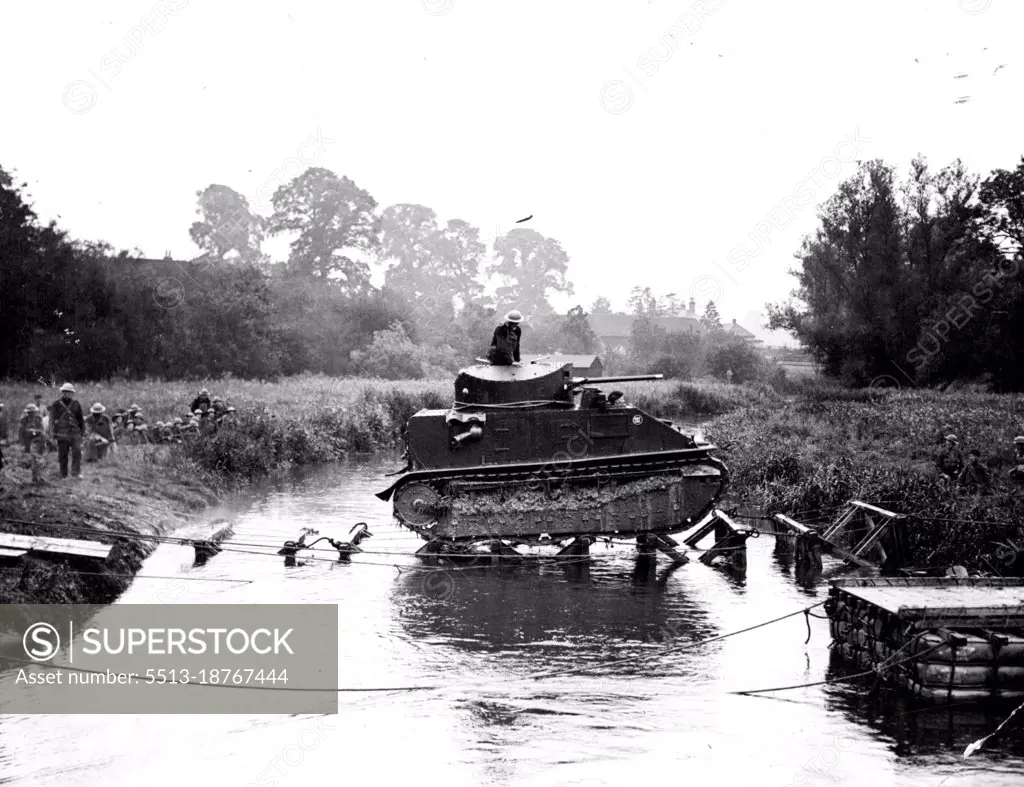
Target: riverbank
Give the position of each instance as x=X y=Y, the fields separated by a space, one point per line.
x=143 y=491
x=808 y=456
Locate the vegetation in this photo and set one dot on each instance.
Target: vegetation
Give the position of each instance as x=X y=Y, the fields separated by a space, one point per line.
x=915 y=279
x=811 y=454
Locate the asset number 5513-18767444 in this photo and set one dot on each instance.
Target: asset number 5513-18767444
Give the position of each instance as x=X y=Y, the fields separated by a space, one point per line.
x=216 y=677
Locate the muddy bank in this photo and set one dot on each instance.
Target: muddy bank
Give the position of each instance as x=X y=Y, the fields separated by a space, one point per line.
x=143 y=492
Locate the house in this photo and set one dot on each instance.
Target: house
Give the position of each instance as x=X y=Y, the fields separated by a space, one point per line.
x=582 y=365
x=614 y=329
x=737 y=331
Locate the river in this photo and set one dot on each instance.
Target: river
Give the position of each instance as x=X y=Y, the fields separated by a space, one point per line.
x=482 y=634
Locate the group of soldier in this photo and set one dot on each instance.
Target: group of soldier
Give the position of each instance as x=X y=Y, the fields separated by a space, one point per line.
x=65 y=427
x=972 y=474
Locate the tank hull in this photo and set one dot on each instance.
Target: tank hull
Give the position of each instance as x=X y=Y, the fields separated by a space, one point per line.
x=529 y=454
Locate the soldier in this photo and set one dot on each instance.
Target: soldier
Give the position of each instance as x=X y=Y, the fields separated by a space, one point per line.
x=505 y=343
x=30 y=430
x=974 y=477
x=67 y=424
x=951 y=461
x=3 y=425
x=166 y=433
x=219 y=408
x=205 y=419
x=99 y=431
x=176 y=429
x=117 y=426
x=1017 y=471
x=201 y=402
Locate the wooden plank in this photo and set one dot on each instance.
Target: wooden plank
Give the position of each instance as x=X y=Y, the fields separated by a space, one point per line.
x=55 y=546
x=5 y=552
x=832 y=530
x=792 y=524
x=873 y=535
x=880 y=511
x=861 y=582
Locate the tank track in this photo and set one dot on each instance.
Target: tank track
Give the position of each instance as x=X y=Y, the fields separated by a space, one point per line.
x=624 y=495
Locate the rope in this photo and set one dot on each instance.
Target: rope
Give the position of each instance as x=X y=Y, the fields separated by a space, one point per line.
x=878 y=670
x=684 y=646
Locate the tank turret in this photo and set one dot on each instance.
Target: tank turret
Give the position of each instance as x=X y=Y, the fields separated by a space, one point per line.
x=531 y=451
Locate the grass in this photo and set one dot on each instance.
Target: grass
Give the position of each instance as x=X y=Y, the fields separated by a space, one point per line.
x=813 y=453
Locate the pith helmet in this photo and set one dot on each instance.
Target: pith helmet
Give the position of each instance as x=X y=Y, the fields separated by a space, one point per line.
x=204 y=392
x=67 y=387
x=97 y=408
x=217 y=399
x=177 y=421
x=31 y=409
x=1018 y=440
x=952 y=438
x=514 y=316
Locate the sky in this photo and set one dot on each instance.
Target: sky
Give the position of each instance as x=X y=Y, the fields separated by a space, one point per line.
x=673 y=145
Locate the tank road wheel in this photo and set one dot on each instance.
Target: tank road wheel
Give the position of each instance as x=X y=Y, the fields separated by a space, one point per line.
x=417 y=504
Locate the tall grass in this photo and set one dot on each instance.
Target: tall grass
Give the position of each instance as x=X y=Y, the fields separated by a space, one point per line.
x=815 y=453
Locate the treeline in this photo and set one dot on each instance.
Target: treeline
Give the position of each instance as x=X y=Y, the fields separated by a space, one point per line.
x=915 y=281
x=81 y=310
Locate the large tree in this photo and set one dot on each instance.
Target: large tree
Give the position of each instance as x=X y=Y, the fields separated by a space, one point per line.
x=530 y=266
x=578 y=336
x=334 y=218
x=228 y=224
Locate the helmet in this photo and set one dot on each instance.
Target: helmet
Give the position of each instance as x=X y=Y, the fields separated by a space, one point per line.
x=952 y=438
x=160 y=424
x=198 y=412
x=97 y=408
x=31 y=409
x=217 y=399
x=204 y=392
x=177 y=421
x=67 y=387
x=514 y=316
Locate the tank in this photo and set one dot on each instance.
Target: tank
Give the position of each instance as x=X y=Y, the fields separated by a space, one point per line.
x=530 y=454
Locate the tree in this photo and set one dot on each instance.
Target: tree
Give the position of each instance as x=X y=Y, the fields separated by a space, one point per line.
x=531 y=266
x=601 y=305
x=711 y=321
x=331 y=216
x=853 y=281
x=1002 y=194
x=227 y=224
x=670 y=304
x=733 y=355
x=579 y=337
x=643 y=303
x=391 y=355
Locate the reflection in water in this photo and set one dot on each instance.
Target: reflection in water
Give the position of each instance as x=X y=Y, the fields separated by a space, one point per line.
x=640 y=704
x=914 y=726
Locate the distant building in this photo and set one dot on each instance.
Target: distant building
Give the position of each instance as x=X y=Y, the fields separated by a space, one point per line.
x=737 y=331
x=614 y=329
x=582 y=365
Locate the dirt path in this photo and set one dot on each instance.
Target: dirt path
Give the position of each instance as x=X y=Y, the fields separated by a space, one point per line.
x=134 y=493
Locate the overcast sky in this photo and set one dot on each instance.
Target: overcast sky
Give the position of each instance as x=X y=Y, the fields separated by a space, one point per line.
x=651 y=138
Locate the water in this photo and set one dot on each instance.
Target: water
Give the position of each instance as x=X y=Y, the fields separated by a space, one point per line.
x=482 y=635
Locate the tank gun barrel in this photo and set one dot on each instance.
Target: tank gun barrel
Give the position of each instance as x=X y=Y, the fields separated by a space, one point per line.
x=578 y=381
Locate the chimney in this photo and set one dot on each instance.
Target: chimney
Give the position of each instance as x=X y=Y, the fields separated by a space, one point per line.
x=693 y=307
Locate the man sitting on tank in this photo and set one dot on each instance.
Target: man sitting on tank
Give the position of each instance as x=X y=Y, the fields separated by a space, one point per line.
x=504 y=349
